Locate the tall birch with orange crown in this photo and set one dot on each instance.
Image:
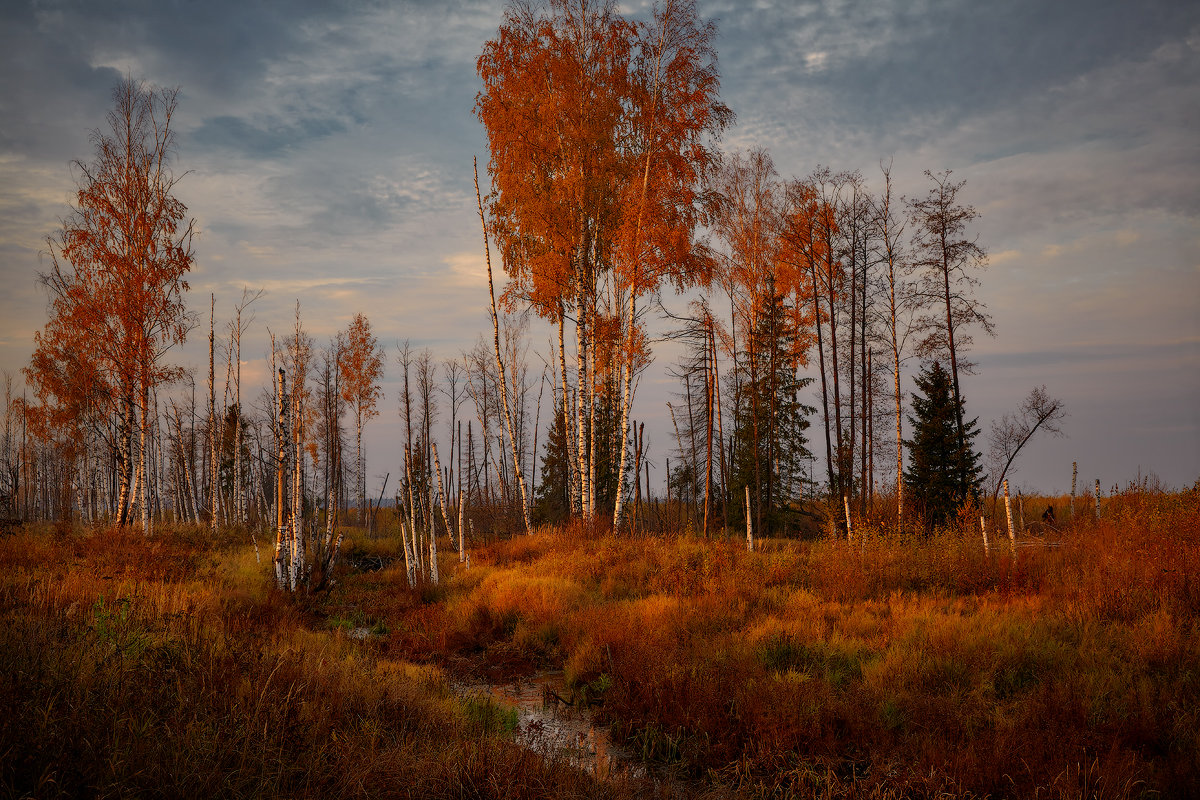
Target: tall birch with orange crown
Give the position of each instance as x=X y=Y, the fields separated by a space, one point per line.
x=361 y=364
x=116 y=280
x=599 y=131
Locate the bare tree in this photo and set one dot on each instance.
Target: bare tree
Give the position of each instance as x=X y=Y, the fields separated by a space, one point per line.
x=454 y=393
x=945 y=260
x=237 y=327
x=504 y=399
x=890 y=232
x=332 y=405
x=1038 y=411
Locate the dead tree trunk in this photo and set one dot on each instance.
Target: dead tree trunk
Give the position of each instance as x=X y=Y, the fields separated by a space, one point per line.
x=508 y=416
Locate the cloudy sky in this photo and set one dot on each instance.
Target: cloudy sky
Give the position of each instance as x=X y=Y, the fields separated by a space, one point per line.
x=329 y=147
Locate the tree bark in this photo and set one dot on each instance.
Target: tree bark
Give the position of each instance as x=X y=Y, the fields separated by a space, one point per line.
x=212 y=418
x=508 y=416
x=281 y=554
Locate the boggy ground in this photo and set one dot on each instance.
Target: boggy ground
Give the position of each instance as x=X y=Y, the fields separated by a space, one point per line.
x=167 y=667
x=885 y=667
x=882 y=668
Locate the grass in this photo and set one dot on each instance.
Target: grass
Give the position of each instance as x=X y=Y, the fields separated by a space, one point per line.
x=886 y=667
x=168 y=667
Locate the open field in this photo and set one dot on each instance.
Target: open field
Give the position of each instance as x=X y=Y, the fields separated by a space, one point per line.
x=879 y=668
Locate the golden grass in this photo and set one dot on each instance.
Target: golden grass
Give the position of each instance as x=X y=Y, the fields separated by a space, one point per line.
x=168 y=667
x=888 y=664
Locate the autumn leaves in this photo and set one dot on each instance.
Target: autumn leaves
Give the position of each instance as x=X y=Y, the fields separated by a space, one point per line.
x=116 y=285
x=602 y=136
x=600 y=132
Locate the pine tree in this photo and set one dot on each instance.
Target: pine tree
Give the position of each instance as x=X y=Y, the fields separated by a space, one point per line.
x=942 y=474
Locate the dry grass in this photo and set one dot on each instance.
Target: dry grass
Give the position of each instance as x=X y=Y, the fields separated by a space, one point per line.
x=167 y=667
x=888 y=665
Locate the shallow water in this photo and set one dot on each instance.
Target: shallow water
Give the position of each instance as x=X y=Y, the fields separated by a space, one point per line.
x=555 y=729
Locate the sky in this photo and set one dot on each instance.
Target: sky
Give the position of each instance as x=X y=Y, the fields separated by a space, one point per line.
x=328 y=153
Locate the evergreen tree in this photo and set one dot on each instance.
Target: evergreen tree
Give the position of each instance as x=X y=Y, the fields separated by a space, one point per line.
x=769 y=441
x=552 y=498
x=552 y=495
x=943 y=474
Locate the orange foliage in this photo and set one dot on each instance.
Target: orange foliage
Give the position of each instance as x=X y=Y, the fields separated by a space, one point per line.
x=361 y=363
x=599 y=134
x=116 y=282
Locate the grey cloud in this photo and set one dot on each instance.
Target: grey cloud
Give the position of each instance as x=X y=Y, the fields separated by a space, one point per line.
x=897 y=60
x=1179 y=351
x=271 y=140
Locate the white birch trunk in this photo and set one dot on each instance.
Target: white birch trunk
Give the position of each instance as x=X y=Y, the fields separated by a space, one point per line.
x=574 y=492
x=410 y=565
x=749 y=522
x=437 y=465
x=298 y=533
x=1012 y=534
x=212 y=416
x=281 y=541
x=144 y=462
x=593 y=445
x=899 y=442
x=581 y=402
x=1074 y=475
x=412 y=518
x=849 y=527
x=462 y=544
x=433 y=554
x=359 y=467
x=136 y=491
x=508 y=416
x=983 y=529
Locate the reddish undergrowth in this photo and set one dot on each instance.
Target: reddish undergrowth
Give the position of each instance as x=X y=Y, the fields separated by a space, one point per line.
x=1064 y=669
x=167 y=667
x=883 y=667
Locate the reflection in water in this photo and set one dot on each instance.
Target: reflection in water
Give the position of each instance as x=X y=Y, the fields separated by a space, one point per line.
x=555 y=729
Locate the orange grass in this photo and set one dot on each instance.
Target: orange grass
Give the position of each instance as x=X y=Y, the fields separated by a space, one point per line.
x=167 y=667
x=885 y=665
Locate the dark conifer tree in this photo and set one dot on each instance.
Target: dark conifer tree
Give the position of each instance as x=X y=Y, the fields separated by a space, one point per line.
x=942 y=473
x=770 y=446
x=552 y=498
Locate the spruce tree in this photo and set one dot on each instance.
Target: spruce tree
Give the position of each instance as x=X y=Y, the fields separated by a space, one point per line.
x=768 y=387
x=552 y=498
x=942 y=473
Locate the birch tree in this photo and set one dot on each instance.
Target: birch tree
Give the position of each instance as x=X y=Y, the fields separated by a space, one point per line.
x=361 y=368
x=1010 y=434
x=237 y=327
x=117 y=267
x=599 y=132
x=890 y=233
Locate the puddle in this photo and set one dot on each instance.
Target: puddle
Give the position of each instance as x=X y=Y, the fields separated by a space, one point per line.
x=555 y=729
